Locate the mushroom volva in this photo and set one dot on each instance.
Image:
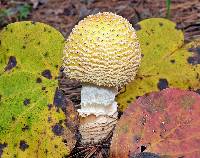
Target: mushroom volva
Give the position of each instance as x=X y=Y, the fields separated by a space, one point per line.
x=103 y=53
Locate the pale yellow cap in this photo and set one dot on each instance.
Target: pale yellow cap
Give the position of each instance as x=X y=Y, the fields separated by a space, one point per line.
x=102 y=49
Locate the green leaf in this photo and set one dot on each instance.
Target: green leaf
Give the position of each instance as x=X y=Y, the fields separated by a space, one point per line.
x=24 y=11
x=166 y=61
x=30 y=125
x=168 y=4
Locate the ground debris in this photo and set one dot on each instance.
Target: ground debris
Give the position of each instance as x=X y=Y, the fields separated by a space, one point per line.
x=100 y=150
x=184 y=13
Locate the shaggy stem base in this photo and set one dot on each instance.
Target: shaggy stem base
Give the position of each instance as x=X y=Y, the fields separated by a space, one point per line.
x=98 y=113
x=94 y=129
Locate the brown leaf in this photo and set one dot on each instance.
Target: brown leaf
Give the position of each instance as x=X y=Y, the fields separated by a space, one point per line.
x=36 y=2
x=72 y=119
x=165 y=123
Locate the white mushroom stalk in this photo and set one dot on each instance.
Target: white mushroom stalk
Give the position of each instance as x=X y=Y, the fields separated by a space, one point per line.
x=99 y=102
x=103 y=53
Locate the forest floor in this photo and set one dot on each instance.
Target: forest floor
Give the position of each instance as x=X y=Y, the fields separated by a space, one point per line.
x=64 y=14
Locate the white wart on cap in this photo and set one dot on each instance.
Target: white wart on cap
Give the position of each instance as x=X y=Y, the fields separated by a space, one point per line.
x=102 y=49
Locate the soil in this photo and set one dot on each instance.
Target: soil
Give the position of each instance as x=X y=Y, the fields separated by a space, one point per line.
x=64 y=14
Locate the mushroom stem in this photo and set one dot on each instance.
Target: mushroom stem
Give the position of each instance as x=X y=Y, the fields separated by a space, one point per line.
x=98 y=112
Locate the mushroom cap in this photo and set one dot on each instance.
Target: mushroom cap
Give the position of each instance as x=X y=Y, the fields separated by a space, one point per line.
x=102 y=49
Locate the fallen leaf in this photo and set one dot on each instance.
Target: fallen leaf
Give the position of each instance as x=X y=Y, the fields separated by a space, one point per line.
x=37 y=2
x=30 y=124
x=165 y=123
x=167 y=61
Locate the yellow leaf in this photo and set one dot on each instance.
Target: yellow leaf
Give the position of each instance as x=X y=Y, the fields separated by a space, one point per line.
x=166 y=62
x=30 y=125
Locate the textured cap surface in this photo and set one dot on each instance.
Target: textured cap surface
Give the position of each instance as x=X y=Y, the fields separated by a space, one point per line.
x=102 y=49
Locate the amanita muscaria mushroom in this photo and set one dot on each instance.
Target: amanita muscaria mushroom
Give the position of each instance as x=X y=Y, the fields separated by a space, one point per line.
x=103 y=53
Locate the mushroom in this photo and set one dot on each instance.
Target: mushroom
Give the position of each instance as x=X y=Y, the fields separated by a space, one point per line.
x=103 y=53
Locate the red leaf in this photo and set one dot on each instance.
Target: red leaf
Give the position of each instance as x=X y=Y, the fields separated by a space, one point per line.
x=166 y=123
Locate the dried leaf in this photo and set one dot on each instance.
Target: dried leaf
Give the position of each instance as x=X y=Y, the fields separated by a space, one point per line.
x=165 y=123
x=166 y=61
x=37 y=2
x=30 y=125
